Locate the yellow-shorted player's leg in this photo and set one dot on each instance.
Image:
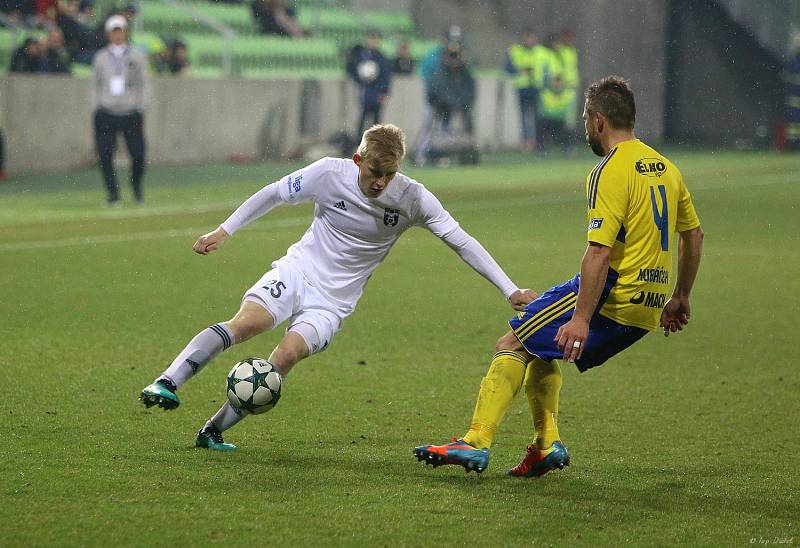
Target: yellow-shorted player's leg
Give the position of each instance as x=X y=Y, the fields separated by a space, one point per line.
x=542 y=386
x=498 y=389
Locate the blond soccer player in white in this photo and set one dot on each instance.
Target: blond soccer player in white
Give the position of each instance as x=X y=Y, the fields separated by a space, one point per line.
x=362 y=206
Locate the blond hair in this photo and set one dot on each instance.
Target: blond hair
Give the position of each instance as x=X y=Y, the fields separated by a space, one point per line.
x=383 y=145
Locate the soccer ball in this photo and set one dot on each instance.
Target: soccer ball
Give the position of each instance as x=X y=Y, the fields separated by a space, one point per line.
x=254 y=386
x=368 y=70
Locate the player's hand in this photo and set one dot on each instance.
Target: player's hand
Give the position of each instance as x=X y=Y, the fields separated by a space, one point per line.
x=520 y=298
x=571 y=338
x=676 y=315
x=207 y=243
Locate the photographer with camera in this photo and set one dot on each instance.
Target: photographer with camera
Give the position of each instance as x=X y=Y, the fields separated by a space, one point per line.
x=451 y=90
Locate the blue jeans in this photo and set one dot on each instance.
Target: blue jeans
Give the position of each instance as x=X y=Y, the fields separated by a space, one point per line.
x=528 y=100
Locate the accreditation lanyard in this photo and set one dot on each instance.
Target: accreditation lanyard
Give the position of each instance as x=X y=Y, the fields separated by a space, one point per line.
x=116 y=85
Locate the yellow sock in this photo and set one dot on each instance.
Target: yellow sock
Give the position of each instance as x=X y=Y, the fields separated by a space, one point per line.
x=498 y=389
x=542 y=386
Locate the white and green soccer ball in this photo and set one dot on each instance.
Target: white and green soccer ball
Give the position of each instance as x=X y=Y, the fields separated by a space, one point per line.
x=368 y=71
x=254 y=386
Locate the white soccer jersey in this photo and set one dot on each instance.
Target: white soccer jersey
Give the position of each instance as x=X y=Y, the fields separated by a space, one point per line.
x=351 y=233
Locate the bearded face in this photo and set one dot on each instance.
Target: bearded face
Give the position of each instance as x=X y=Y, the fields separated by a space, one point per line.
x=590 y=122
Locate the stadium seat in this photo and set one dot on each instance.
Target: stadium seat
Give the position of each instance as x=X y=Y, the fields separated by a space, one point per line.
x=167 y=20
x=347 y=28
x=264 y=56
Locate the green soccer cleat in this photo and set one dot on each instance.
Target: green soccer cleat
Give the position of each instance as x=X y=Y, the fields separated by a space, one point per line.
x=160 y=393
x=209 y=437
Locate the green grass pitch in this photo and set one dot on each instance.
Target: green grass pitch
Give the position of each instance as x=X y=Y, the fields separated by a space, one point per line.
x=690 y=440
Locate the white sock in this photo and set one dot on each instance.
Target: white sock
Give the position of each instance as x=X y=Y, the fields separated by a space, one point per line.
x=205 y=346
x=226 y=417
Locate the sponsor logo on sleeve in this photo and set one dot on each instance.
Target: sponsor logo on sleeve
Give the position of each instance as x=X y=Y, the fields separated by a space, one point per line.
x=595 y=224
x=293 y=185
x=650 y=167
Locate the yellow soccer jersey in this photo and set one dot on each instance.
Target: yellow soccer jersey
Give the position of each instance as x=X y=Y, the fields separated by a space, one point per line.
x=637 y=201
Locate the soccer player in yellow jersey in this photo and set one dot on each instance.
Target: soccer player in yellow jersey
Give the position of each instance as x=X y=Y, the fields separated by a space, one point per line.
x=636 y=200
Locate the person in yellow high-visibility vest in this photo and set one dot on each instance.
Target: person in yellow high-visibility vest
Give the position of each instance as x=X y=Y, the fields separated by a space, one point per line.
x=556 y=105
x=567 y=68
x=529 y=63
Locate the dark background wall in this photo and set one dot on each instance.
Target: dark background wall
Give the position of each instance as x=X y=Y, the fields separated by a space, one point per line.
x=723 y=87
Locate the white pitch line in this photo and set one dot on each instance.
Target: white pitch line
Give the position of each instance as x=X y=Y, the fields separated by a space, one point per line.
x=136 y=236
x=136 y=212
x=528 y=200
x=282 y=223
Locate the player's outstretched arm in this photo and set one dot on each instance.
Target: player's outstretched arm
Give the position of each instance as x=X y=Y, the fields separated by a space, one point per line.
x=677 y=312
x=211 y=241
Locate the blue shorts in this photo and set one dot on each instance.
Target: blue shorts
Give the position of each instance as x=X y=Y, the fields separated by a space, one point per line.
x=537 y=325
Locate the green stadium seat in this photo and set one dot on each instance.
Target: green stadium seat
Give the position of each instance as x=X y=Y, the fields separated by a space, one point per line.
x=333 y=28
x=165 y=20
x=347 y=28
x=81 y=71
x=264 y=56
x=239 y=17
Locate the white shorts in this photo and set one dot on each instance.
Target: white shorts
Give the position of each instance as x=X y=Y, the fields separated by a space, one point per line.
x=286 y=295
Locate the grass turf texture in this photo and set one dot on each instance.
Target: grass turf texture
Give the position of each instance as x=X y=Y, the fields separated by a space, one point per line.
x=686 y=440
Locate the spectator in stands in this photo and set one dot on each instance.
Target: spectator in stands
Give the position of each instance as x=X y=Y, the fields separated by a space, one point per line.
x=160 y=57
x=791 y=83
x=528 y=62
x=119 y=94
x=273 y=17
x=128 y=11
x=29 y=57
x=46 y=11
x=452 y=88
x=372 y=73
x=403 y=62
x=17 y=11
x=81 y=39
x=177 y=58
x=85 y=15
x=556 y=105
x=58 y=58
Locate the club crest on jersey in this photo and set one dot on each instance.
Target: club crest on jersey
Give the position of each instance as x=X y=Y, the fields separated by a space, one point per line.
x=390 y=216
x=650 y=167
x=595 y=224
